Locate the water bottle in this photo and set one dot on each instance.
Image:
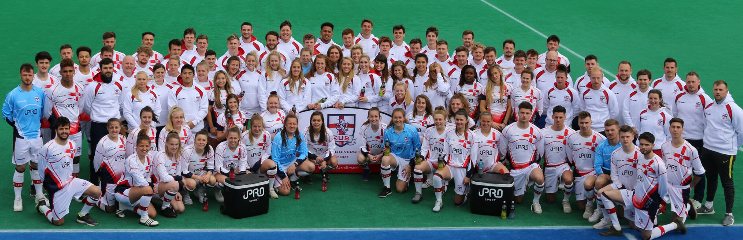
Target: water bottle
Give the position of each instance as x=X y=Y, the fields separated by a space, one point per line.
x=418 y=157
x=232 y=173
x=512 y=213
x=363 y=90
x=480 y=168
x=441 y=161
x=322 y=100
x=503 y=211
x=382 y=89
x=387 y=148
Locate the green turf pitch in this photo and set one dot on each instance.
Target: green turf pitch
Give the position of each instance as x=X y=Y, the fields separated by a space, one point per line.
x=701 y=36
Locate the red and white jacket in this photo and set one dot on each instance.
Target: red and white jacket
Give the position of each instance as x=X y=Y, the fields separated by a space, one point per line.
x=669 y=89
x=602 y=104
x=370 y=45
x=690 y=107
x=291 y=48
x=566 y=97
x=622 y=91
x=724 y=132
x=656 y=122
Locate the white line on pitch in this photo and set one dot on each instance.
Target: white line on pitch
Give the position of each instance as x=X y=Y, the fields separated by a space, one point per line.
x=540 y=33
x=630 y=236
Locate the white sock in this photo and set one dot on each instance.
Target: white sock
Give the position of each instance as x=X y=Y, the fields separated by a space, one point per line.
x=611 y=210
x=17 y=183
x=708 y=204
x=75 y=169
x=660 y=230
x=47 y=212
x=418 y=178
x=589 y=197
x=169 y=195
x=538 y=189
x=36 y=179
x=271 y=174
x=386 y=174
x=568 y=192
x=144 y=204
x=302 y=173
x=438 y=186
x=89 y=202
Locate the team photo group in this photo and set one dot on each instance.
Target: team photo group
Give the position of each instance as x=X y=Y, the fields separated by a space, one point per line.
x=166 y=128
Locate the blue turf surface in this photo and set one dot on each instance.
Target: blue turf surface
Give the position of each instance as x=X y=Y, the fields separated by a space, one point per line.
x=695 y=232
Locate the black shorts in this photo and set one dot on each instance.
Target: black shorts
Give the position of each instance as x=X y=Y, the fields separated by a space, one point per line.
x=653 y=204
x=256 y=168
x=105 y=178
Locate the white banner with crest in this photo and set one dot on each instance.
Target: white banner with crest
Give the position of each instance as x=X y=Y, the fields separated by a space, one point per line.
x=345 y=124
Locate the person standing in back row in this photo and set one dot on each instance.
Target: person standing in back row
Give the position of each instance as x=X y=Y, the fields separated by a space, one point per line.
x=722 y=138
x=101 y=100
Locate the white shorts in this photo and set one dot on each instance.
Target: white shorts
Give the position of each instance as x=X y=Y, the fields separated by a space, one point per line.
x=521 y=178
x=26 y=150
x=123 y=198
x=61 y=199
x=458 y=175
x=580 y=191
x=77 y=138
x=401 y=163
x=110 y=195
x=433 y=166
x=642 y=220
x=629 y=208
x=678 y=196
x=552 y=175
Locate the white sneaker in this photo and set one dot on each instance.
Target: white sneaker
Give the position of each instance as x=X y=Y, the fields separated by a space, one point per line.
x=272 y=193
x=186 y=195
x=40 y=197
x=603 y=224
x=18 y=205
x=148 y=222
x=589 y=211
x=597 y=215
x=218 y=196
x=201 y=194
x=695 y=204
x=437 y=206
x=536 y=208
x=566 y=206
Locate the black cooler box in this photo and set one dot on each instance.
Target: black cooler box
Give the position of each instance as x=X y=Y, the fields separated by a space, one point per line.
x=245 y=196
x=490 y=192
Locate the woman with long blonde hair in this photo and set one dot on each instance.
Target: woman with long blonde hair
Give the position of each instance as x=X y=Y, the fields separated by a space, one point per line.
x=436 y=87
x=294 y=92
x=275 y=71
x=496 y=98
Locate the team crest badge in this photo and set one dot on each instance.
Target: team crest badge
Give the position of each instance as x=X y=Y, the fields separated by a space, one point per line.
x=37 y=99
x=343 y=127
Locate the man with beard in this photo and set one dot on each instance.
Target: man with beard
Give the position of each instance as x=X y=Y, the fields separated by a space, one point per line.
x=55 y=159
x=23 y=109
x=623 y=85
x=101 y=100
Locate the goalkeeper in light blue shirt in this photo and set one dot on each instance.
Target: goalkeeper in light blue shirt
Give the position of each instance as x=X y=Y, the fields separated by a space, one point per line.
x=602 y=160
